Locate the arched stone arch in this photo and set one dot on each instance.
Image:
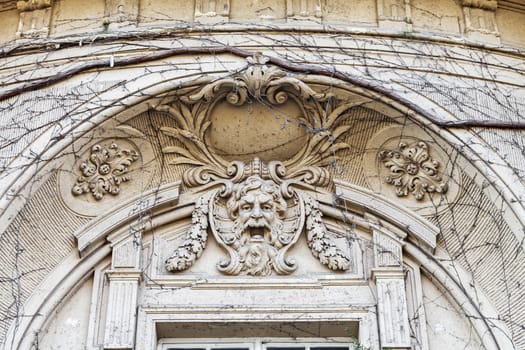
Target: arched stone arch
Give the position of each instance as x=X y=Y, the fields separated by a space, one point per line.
x=416 y=234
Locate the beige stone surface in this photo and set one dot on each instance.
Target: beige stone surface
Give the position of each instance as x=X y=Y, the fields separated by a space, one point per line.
x=258 y=11
x=377 y=204
x=343 y=12
x=446 y=326
x=9 y=20
x=153 y=12
x=256 y=129
x=510 y=24
x=440 y=16
x=66 y=17
x=68 y=327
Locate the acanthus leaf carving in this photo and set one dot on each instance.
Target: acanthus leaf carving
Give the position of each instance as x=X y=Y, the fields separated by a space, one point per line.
x=412 y=170
x=105 y=170
x=258 y=213
x=258 y=81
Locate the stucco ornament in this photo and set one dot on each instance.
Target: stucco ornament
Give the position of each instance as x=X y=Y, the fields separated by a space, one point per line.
x=257 y=210
x=104 y=170
x=412 y=170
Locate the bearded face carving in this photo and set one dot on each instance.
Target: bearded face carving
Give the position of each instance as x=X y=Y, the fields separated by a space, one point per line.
x=257 y=207
x=256 y=228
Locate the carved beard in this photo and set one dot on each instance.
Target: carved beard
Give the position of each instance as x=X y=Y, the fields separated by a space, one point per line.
x=257 y=257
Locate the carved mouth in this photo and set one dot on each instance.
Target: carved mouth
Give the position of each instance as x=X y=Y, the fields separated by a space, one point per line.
x=257 y=234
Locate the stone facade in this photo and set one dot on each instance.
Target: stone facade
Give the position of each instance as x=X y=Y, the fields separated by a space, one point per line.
x=199 y=174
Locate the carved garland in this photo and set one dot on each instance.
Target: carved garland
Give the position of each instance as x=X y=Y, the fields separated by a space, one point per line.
x=195 y=241
x=260 y=209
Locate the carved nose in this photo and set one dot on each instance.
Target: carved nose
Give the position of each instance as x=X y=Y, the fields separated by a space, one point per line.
x=256 y=212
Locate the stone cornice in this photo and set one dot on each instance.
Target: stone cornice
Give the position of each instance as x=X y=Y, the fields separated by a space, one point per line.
x=31 y=5
x=509 y=5
x=7 y=5
x=512 y=5
x=483 y=4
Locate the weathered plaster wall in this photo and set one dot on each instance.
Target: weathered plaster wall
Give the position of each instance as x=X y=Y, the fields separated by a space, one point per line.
x=447 y=327
x=68 y=327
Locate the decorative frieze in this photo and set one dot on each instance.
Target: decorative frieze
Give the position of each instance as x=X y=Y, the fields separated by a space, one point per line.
x=121 y=12
x=35 y=17
x=480 y=19
x=104 y=170
x=412 y=170
x=304 y=9
x=394 y=14
x=210 y=11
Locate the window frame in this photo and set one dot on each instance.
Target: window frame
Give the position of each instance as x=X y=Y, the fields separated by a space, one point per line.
x=253 y=343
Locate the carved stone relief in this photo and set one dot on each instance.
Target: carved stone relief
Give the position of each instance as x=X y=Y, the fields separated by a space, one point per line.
x=303 y=9
x=394 y=14
x=405 y=164
x=412 y=170
x=393 y=10
x=114 y=163
x=35 y=16
x=104 y=170
x=121 y=12
x=257 y=209
x=480 y=19
x=212 y=10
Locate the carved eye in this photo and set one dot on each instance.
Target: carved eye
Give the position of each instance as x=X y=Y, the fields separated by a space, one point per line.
x=246 y=207
x=267 y=207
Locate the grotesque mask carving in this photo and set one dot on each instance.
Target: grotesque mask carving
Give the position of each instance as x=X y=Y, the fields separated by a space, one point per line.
x=256 y=207
x=258 y=210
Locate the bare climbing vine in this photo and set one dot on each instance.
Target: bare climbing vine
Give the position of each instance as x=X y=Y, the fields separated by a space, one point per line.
x=475 y=234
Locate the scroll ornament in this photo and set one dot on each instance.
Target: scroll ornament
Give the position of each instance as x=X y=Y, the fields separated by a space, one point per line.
x=104 y=170
x=257 y=211
x=412 y=170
